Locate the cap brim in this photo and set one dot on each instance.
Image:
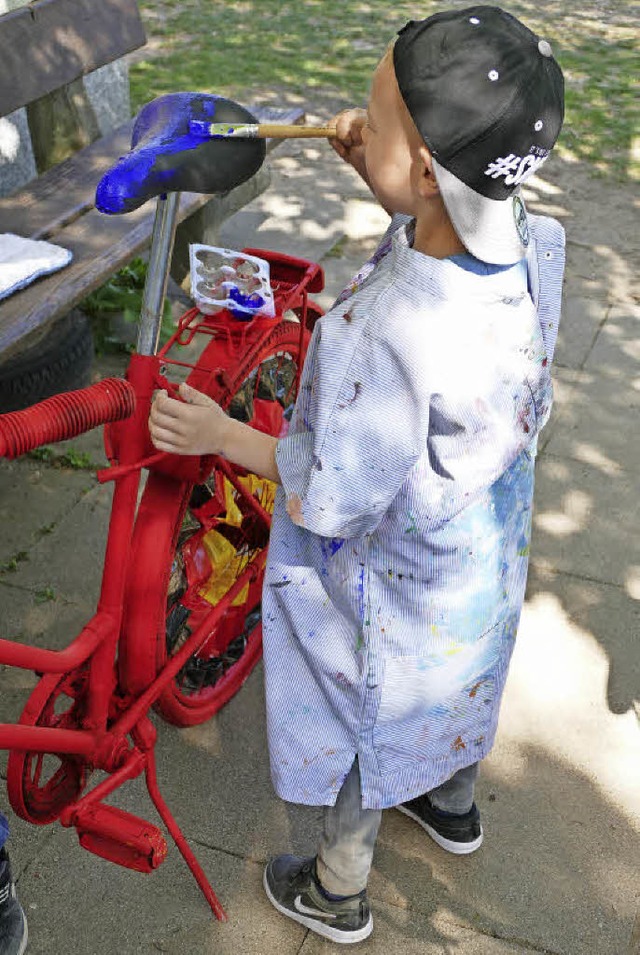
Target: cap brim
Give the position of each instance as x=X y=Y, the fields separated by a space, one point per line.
x=487 y=227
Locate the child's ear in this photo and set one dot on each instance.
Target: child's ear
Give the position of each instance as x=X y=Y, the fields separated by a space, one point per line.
x=428 y=186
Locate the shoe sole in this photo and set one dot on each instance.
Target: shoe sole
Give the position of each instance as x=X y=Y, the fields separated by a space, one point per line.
x=342 y=938
x=25 y=937
x=456 y=848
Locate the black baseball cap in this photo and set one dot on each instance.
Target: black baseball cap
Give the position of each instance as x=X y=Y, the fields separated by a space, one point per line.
x=487 y=97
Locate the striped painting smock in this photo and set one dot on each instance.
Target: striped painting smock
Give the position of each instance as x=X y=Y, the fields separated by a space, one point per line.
x=399 y=545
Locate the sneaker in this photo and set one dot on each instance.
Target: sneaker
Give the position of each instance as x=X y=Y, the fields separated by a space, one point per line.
x=13 y=924
x=293 y=888
x=460 y=834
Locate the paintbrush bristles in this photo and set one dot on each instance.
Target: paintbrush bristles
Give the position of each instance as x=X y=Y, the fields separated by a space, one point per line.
x=270 y=131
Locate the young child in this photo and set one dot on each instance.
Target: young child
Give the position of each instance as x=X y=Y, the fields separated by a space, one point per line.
x=13 y=924
x=398 y=551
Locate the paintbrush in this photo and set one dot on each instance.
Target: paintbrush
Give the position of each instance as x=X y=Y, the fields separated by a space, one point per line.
x=200 y=127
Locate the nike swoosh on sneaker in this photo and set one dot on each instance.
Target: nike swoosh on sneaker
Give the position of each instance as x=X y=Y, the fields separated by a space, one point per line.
x=305 y=910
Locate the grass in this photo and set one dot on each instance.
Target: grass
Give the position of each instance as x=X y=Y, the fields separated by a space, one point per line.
x=121 y=295
x=11 y=565
x=322 y=52
x=71 y=458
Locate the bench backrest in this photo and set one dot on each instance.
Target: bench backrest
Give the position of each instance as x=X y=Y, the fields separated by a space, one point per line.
x=51 y=43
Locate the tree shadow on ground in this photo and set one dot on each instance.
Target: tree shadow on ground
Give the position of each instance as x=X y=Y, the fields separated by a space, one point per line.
x=554 y=843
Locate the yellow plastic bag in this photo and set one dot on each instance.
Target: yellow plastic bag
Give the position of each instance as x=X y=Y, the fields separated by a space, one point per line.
x=227 y=563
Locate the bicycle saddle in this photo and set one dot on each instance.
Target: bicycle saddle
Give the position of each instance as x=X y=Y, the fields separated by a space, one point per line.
x=167 y=157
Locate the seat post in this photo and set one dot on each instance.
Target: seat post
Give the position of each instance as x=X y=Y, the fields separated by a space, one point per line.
x=155 y=287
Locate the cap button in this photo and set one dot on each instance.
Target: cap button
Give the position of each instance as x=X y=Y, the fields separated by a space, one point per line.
x=545 y=48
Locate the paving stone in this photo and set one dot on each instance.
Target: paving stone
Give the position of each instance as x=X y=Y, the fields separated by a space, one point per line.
x=594 y=608
x=585 y=522
x=579 y=324
x=595 y=421
x=401 y=931
x=33 y=499
x=81 y=538
x=44 y=617
x=616 y=351
x=117 y=910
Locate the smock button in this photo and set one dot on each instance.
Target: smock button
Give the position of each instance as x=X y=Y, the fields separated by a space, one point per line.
x=545 y=48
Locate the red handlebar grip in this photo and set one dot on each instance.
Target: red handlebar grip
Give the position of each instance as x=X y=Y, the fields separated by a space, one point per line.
x=65 y=416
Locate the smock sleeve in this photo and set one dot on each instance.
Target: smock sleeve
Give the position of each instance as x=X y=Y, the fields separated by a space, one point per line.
x=361 y=425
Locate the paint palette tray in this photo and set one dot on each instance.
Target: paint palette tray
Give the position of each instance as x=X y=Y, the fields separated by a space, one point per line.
x=225 y=279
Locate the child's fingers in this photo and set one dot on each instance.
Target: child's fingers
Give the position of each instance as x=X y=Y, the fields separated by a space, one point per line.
x=338 y=147
x=171 y=425
x=349 y=125
x=161 y=436
x=160 y=396
x=163 y=404
x=193 y=396
x=167 y=446
x=169 y=411
x=187 y=392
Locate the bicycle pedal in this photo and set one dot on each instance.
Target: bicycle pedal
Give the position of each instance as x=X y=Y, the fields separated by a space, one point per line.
x=120 y=837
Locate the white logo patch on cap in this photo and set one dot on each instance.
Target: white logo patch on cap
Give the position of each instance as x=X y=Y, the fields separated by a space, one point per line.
x=520 y=219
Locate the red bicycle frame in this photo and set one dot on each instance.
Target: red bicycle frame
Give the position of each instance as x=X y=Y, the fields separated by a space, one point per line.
x=108 y=728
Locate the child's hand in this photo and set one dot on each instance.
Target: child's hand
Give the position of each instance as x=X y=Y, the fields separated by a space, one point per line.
x=198 y=427
x=348 y=141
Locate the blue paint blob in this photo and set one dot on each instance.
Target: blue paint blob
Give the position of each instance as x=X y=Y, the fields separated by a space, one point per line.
x=253 y=301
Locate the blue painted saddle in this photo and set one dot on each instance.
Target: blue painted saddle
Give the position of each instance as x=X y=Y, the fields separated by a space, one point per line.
x=166 y=156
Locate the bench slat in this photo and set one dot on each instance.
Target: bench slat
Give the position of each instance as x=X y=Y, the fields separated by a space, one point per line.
x=101 y=244
x=44 y=203
x=50 y=43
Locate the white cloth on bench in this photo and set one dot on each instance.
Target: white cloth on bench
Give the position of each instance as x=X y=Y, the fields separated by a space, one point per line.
x=23 y=260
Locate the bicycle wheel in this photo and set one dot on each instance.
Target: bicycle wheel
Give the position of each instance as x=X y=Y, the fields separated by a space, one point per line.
x=41 y=785
x=211 y=535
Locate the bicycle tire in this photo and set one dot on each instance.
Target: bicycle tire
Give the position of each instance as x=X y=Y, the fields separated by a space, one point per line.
x=167 y=522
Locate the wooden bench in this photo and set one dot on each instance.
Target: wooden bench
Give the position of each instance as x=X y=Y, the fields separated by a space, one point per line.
x=42 y=47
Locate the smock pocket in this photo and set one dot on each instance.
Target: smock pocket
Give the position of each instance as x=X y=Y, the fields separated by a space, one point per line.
x=433 y=706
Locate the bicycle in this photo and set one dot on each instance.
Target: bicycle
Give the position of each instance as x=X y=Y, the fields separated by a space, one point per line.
x=177 y=626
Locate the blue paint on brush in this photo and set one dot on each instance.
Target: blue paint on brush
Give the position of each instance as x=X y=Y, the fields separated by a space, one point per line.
x=201 y=127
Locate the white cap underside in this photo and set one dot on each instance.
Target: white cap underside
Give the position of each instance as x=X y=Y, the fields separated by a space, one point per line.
x=486 y=227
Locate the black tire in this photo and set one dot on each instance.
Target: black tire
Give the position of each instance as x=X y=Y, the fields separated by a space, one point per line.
x=58 y=361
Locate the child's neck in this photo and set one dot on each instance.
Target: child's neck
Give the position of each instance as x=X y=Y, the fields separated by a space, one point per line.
x=435 y=235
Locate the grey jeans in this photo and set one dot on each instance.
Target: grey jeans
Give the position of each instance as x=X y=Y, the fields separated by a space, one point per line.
x=349 y=832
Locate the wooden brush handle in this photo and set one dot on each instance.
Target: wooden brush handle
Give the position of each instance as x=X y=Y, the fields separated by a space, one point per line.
x=282 y=131
x=203 y=128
